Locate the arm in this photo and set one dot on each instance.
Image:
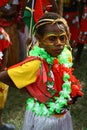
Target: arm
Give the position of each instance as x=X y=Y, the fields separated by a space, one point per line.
x=4 y=77
x=21 y=74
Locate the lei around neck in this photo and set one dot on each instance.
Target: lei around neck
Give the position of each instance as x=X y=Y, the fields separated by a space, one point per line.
x=63 y=58
x=57 y=104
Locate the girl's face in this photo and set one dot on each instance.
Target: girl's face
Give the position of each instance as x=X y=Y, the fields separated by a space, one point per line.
x=54 y=39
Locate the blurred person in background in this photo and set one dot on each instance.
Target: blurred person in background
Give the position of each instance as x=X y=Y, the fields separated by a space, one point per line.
x=8 y=20
x=23 y=32
x=4 y=45
x=82 y=37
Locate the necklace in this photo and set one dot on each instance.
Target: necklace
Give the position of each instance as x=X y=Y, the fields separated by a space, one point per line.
x=57 y=104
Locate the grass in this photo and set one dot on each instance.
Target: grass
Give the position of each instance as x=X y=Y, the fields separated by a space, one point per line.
x=79 y=110
x=15 y=105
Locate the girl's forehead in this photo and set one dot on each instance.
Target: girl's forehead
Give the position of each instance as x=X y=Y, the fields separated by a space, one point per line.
x=54 y=28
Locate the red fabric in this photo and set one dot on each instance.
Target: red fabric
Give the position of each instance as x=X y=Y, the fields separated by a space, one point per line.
x=46 y=4
x=5 y=23
x=39 y=88
x=4 y=44
x=57 y=76
x=5 y=41
x=82 y=39
x=38 y=10
x=72 y=20
x=3 y=2
x=84 y=21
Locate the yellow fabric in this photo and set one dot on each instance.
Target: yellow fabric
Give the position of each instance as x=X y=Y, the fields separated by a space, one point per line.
x=3 y=94
x=25 y=74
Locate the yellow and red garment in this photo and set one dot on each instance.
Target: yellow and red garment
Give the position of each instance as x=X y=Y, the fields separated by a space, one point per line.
x=33 y=74
x=24 y=73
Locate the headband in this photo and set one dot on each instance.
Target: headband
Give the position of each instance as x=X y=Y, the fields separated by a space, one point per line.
x=52 y=21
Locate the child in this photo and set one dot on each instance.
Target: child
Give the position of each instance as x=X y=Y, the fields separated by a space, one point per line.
x=4 y=45
x=47 y=75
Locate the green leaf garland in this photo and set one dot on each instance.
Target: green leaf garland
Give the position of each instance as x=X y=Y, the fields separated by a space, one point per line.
x=57 y=104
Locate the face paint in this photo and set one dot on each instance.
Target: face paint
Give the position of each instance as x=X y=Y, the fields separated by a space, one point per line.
x=53 y=39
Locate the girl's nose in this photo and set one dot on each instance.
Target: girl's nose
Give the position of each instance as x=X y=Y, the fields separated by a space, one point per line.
x=58 y=42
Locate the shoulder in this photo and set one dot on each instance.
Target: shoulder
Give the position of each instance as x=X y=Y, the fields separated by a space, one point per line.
x=30 y=61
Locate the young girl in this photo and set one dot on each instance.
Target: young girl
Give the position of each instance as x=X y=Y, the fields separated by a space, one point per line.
x=47 y=75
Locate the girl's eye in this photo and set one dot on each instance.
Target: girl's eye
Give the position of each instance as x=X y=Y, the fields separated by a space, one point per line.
x=62 y=38
x=52 y=38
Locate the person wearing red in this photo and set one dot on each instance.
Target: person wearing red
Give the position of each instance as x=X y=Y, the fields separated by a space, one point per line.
x=8 y=20
x=71 y=14
x=4 y=45
x=83 y=26
x=82 y=37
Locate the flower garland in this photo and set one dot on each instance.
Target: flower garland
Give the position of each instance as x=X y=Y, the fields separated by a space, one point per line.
x=57 y=104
